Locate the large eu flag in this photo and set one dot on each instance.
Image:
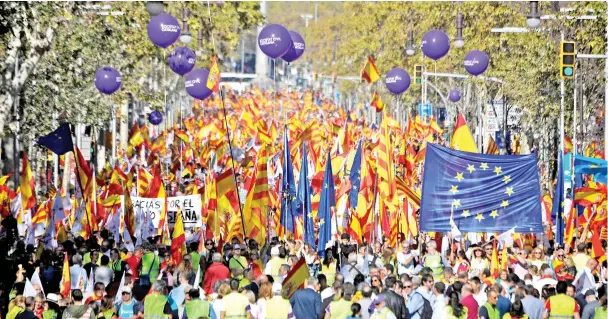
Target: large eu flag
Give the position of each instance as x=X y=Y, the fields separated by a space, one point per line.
x=58 y=141
x=484 y=193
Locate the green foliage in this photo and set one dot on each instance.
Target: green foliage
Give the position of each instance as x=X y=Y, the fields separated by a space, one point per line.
x=61 y=85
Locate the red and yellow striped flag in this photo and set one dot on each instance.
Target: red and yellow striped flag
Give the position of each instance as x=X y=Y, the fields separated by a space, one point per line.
x=377 y=102
x=214 y=78
x=370 y=72
x=494 y=263
x=5 y=178
x=295 y=278
x=462 y=140
x=27 y=183
x=492 y=147
x=66 y=285
x=386 y=174
x=178 y=240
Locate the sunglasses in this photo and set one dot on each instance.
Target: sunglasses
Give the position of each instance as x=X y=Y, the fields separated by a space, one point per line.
x=407 y=286
x=208 y=244
x=375 y=280
x=125 y=293
x=560 y=255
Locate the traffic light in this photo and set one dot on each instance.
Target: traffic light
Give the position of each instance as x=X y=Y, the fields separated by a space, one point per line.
x=567 y=59
x=418 y=73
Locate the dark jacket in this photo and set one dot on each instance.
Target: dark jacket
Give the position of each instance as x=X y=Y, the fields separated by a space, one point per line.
x=306 y=303
x=27 y=314
x=395 y=303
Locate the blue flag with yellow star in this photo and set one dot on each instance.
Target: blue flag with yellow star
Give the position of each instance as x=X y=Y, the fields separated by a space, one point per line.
x=326 y=202
x=289 y=200
x=484 y=193
x=58 y=141
x=305 y=205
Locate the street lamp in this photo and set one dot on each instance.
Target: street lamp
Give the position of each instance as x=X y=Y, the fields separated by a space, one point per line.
x=185 y=36
x=155 y=8
x=410 y=49
x=533 y=18
x=459 y=39
x=199 y=52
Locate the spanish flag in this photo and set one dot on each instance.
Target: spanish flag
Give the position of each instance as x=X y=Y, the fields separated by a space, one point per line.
x=494 y=262
x=178 y=240
x=214 y=78
x=27 y=183
x=377 y=102
x=295 y=278
x=66 y=284
x=462 y=140
x=370 y=72
x=5 y=178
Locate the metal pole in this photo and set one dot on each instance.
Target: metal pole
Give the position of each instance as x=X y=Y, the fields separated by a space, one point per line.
x=316 y=14
x=242 y=55
x=16 y=133
x=561 y=115
x=113 y=145
x=56 y=170
x=574 y=120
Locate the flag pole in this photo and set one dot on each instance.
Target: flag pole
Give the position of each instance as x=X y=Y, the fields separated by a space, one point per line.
x=238 y=196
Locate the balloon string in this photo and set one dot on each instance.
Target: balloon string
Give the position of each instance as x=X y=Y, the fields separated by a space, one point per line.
x=210 y=25
x=165 y=87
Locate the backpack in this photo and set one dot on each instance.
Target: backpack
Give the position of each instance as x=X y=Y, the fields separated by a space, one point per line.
x=426 y=312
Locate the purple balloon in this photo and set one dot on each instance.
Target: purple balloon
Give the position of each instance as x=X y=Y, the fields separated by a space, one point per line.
x=155 y=117
x=454 y=95
x=397 y=80
x=476 y=62
x=107 y=80
x=274 y=40
x=435 y=44
x=296 y=49
x=196 y=84
x=182 y=60
x=163 y=30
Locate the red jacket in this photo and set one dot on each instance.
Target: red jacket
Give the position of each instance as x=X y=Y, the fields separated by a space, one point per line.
x=217 y=271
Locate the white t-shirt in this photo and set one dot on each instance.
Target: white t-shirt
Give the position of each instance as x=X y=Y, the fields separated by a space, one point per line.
x=218 y=306
x=402 y=267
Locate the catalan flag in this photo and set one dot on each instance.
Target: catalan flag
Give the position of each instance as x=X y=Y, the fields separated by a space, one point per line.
x=213 y=80
x=256 y=205
x=27 y=183
x=178 y=240
x=386 y=173
x=494 y=271
x=462 y=140
x=492 y=147
x=370 y=72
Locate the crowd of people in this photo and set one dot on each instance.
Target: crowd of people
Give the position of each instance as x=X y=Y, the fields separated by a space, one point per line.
x=243 y=280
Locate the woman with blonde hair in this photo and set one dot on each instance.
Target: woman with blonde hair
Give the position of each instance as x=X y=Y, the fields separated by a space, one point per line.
x=253 y=311
x=15 y=307
x=218 y=304
x=263 y=296
x=184 y=267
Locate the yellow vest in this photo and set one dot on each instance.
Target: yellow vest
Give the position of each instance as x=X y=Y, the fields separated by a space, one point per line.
x=329 y=272
x=275 y=265
x=450 y=312
x=339 y=309
x=382 y=314
x=154 y=306
x=277 y=308
x=236 y=304
x=14 y=312
x=562 y=306
x=434 y=262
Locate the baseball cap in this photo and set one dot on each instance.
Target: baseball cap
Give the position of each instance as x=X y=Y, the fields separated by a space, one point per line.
x=52 y=297
x=274 y=251
x=237 y=246
x=126 y=289
x=379 y=299
x=277 y=287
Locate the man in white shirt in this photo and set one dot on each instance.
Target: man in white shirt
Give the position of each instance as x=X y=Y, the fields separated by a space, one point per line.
x=78 y=273
x=439 y=302
x=405 y=260
x=545 y=279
